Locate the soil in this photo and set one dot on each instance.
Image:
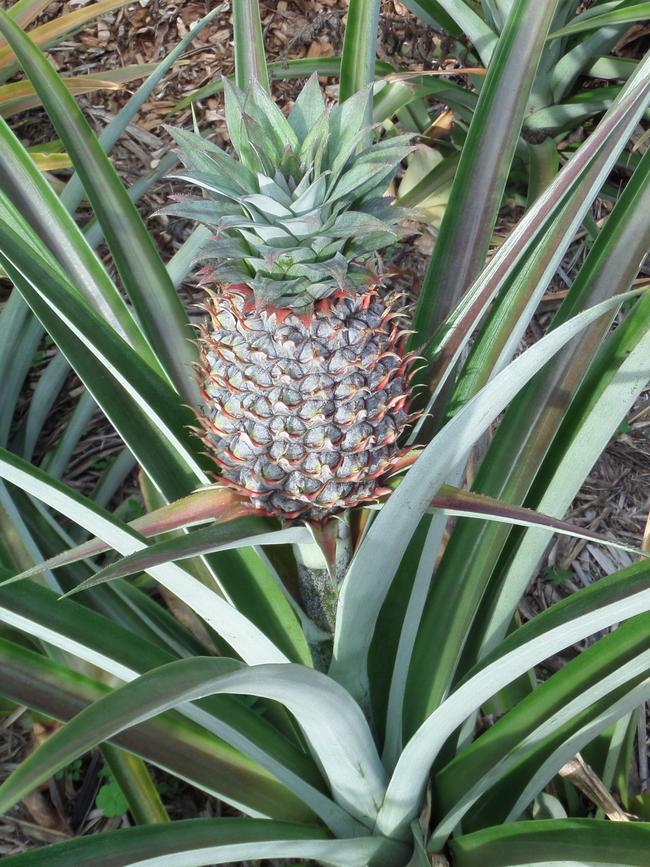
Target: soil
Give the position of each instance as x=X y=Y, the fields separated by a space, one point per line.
x=614 y=500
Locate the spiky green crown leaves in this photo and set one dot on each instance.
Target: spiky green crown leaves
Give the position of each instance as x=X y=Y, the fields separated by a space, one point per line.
x=300 y=210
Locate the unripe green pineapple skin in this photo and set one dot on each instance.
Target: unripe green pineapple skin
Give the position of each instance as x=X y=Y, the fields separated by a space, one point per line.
x=303 y=414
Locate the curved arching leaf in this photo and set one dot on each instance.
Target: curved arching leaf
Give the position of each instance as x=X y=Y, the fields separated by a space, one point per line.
x=331 y=721
x=202 y=842
x=366 y=584
x=561 y=842
x=247 y=640
x=412 y=771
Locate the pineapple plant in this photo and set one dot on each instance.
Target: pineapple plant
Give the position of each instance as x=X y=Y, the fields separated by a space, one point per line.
x=303 y=375
x=374 y=762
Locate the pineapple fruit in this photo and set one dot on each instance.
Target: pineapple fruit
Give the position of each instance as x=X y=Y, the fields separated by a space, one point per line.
x=303 y=377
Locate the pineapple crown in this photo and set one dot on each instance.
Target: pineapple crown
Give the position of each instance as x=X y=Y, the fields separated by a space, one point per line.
x=299 y=211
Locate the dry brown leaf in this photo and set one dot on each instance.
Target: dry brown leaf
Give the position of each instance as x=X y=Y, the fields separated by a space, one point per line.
x=440 y=127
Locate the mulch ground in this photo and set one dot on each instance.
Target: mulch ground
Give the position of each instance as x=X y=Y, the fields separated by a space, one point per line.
x=614 y=499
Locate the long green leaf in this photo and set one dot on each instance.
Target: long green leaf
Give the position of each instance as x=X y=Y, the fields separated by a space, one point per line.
x=73 y=193
x=612 y=587
x=359 y=47
x=123 y=655
x=170 y=742
x=465 y=19
x=240 y=632
x=558 y=741
x=570 y=739
x=250 y=583
x=134 y=780
x=144 y=276
x=281 y=70
x=597 y=673
x=38 y=203
x=149 y=417
x=250 y=59
x=20 y=335
x=217 y=504
x=483 y=168
x=202 y=842
x=575 y=61
x=49 y=33
x=344 y=748
x=618 y=251
x=610 y=389
x=240 y=533
x=534 y=417
x=628 y=13
x=610 y=136
x=411 y=774
x=565 y=842
x=213 y=504
x=23 y=12
x=372 y=569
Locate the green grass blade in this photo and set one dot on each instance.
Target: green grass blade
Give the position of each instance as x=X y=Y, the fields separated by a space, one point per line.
x=144 y=276
x=250 y=58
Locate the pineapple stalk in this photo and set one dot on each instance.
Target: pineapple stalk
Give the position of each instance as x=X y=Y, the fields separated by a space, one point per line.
x=320 y=576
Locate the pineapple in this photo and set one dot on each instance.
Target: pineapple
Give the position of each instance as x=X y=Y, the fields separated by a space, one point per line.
x=302 y=372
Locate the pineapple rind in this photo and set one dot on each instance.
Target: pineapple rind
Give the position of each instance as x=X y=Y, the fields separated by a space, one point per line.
x=303 y=414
